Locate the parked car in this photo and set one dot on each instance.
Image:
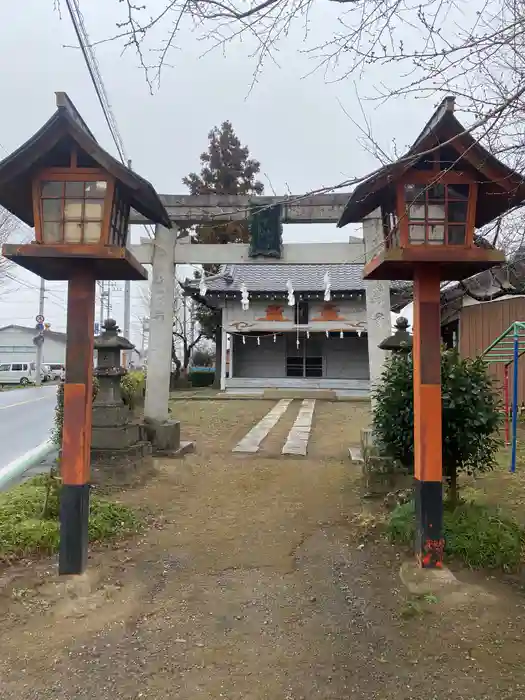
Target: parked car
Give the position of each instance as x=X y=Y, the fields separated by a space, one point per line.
x=46 y=373
x=23 y=373
x=55 y=372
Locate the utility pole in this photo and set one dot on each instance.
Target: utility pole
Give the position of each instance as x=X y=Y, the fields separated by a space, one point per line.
x=127 y=311
x=145 y=330
x=101 y=312
x=108 y=301
x=127 y=317
x=40 y=337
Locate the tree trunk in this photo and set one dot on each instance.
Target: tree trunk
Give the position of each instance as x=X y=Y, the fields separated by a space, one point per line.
x=186 y=360
x=174 y=376
x=218 y=354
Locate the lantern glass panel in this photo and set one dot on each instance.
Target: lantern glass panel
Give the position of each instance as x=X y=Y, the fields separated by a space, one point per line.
x=436 y=233
x=457 y=211
x=436 y=193
x=437 y=214
x=457 y=235
x=73 y=231
x=52 y=209
x=436 y=211
x=94 y=209
x=416 y=211
x=73 y=209
x=52 y=189
x=458 y=191
x=96 y=189
x=417 y=234
x=92 y=231
x=52 y=232
x=75 y=189
x=414 y=193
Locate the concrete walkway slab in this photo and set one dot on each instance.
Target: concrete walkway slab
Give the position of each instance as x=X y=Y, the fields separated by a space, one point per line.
x=297 y=441
x=252 y=440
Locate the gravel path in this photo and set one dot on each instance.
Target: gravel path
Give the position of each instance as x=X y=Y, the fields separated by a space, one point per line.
x=257 y=581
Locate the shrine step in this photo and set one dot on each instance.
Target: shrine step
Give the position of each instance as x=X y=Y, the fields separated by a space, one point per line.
x=326 y=394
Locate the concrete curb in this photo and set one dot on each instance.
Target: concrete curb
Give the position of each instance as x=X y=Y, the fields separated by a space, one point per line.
x=244 y=397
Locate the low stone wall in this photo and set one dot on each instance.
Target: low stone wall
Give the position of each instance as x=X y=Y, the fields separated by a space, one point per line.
x=382 y=476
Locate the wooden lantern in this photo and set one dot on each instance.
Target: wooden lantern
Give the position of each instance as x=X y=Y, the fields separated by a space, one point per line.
x=431 y=201
x=78 y=198
x=428 y=206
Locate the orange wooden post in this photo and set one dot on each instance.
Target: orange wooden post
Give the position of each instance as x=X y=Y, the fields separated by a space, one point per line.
x=428 y=458
x=76 y=439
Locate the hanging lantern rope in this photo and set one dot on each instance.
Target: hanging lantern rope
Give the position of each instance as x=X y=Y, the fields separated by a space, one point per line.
x=291 y=295
x=271 y=334
x=327 y=286
x=245 y=297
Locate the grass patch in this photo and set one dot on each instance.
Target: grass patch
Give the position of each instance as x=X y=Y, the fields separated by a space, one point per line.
x=23 y=530
x=481 y=536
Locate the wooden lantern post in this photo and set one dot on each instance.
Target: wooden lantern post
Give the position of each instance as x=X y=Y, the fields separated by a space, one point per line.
x=78 y=198
x=430 y=203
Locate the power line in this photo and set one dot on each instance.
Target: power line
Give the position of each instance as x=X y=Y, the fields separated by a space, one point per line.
x=33 y=287
x=95 y=75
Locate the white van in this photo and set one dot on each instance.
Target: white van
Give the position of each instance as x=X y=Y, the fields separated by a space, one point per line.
x=18 y=373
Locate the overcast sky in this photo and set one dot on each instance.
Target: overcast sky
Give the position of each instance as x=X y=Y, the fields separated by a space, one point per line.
x=292 y=122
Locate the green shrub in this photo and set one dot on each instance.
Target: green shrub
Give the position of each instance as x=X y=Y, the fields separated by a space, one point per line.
x=202 y=357
x=199 y=379
x=480 y=536
x=132 y=387
x=471 y=415
x=24 y=530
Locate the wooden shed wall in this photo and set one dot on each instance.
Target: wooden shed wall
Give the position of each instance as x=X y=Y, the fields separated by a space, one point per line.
x=481 y=324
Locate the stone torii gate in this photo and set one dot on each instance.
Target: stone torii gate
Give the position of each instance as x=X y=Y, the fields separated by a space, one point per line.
x=164 y=254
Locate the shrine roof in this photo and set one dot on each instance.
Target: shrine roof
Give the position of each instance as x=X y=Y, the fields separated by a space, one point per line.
x=272 y=278
x=500 y=187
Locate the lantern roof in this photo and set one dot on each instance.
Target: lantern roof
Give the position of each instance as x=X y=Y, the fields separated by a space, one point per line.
x=109 y=339
x=401 y=340
x=50 y=146
x=500 y=187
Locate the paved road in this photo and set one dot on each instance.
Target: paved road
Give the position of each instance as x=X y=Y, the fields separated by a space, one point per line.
x=26 y=419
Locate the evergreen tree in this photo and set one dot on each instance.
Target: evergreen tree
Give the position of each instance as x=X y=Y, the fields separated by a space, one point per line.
x=226 y=168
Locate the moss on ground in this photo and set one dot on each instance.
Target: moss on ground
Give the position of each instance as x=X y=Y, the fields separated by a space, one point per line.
x=479 y=535
x=24 y=531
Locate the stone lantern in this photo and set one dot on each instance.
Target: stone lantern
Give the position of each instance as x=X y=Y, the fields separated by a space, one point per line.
x=78 y=199
x=401 y=340
x=430 y=202
x=109 y=371
x=117 y=442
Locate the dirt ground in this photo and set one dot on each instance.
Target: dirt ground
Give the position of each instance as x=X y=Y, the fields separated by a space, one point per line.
x=258 y=581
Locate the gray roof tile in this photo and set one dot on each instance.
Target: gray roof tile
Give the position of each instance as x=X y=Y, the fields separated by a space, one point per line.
x=273 y=278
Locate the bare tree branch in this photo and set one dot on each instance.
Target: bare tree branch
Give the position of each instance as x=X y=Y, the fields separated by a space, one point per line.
x=7 y=227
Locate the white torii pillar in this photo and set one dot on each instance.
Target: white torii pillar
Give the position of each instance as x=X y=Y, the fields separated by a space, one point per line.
x=378 y=315
x=161 y=324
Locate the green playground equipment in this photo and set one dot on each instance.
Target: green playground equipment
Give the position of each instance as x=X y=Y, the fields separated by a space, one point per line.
x=506 y=350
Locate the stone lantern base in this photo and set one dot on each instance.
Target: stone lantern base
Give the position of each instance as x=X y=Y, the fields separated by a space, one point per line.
x=121 y=453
